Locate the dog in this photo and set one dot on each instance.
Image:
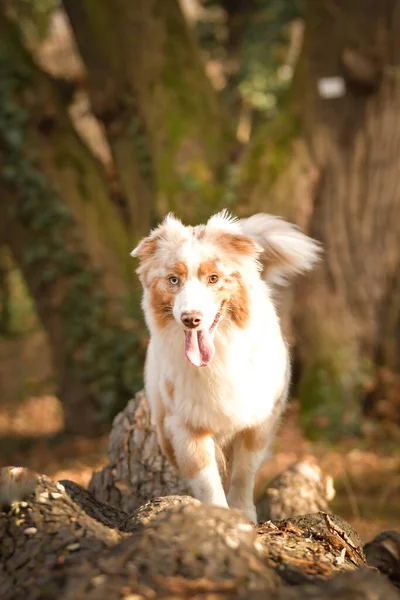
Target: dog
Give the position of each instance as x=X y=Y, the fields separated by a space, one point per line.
x=217 y=367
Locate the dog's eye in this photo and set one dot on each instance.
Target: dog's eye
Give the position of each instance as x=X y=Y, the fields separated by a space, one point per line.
x=173 y=280
x=213 y=278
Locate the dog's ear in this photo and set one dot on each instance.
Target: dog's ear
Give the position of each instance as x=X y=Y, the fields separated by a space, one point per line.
x=146 y=248
x=170 y=228
x=224 y=229
x=145 y=252
x=285 y=250
x=238 y=244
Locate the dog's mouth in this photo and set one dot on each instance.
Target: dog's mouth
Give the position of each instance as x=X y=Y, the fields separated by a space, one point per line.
x=199 y=343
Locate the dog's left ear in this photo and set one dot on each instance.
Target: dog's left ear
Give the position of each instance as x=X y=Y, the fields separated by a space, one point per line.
x=238 y=244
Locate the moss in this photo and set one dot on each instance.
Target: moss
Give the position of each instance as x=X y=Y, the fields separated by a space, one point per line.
x=329 y=396
x=98 y=352
x=270 y=150
x=194 y=130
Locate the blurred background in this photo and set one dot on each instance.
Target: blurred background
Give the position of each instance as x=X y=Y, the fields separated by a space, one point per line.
x=113 y=112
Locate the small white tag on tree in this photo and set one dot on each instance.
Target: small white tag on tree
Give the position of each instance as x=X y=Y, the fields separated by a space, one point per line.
x=331 y=87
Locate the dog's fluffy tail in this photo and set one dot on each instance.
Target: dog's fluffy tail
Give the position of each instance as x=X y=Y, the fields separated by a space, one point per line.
x=286 y=250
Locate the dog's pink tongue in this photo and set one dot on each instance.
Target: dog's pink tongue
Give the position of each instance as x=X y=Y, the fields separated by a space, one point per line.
x=199 y=347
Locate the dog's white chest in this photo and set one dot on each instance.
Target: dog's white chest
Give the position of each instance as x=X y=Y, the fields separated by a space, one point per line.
x=238 y=390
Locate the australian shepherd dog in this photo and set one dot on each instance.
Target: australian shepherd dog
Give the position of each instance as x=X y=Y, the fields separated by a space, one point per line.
x=217 y=368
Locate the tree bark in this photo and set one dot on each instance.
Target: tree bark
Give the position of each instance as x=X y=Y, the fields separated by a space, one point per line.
x=354 y=142
x=94 y=357
x=137 y=469
x=69 y=244
x=302 y=488
x=5 y=295
x=168 y=136
x=56 y=541
x=331 y=164
x=383 y=552
x=66 y=161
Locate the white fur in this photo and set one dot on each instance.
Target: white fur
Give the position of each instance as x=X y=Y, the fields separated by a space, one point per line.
x=278 y=236
x=245 y=385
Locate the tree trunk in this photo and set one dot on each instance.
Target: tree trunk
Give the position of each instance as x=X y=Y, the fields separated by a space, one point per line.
x=67 y=162
x=147 y=85
x=5 y=294
x=96 y=361
x=354 y=141
x=331 y=164
x=94 y=357
x=56 y=541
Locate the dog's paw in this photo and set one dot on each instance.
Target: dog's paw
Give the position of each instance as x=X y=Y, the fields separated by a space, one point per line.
x=248 y=509
x=251 y=514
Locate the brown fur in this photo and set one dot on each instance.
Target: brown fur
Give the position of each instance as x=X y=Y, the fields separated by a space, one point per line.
x=165 y=444
x=207 y=268
x=147 y=249
x=163 y=440
x=197 y=457
x=256 y=438
x=231 y=293
x=180 y=270
x=238 y=244
x=161 y=303
x=170 y=389
x=162 y=294
x=238 y=303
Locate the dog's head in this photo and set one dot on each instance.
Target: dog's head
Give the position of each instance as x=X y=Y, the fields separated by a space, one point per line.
x=195 y=277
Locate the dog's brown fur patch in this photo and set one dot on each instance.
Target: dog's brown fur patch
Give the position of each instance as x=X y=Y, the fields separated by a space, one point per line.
x=170 y=389
x=238 y=303
x=197 y=456
x=161 y=303
x=237 y=244
x=162 y=293
x=165 y=444
x=207 y=268
x=180 y=270
x=256 y=438
x=147 y=249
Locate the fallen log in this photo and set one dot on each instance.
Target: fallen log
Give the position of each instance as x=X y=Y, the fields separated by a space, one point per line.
x=383 y=552
x=138 y=471
x=58 y=542
x=302 y=488
x=42 y=534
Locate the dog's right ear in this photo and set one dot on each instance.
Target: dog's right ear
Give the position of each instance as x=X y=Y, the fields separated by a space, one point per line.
x=145 y=252
x=146 y=248
x=170 y=228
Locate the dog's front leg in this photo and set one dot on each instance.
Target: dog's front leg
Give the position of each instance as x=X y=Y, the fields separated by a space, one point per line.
x=250 y=448
x=195 y=456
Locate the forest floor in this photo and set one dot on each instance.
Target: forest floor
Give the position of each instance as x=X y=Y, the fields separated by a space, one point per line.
x=365 y=470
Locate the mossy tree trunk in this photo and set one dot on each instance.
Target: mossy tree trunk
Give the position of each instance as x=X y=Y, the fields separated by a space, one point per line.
x=169 y=138
x=349 y=313
x=65 y=238
x=332 y=164
x=69 y=165
x=5 y=294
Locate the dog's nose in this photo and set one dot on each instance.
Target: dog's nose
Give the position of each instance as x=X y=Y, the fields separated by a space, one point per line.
x=191 y=319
